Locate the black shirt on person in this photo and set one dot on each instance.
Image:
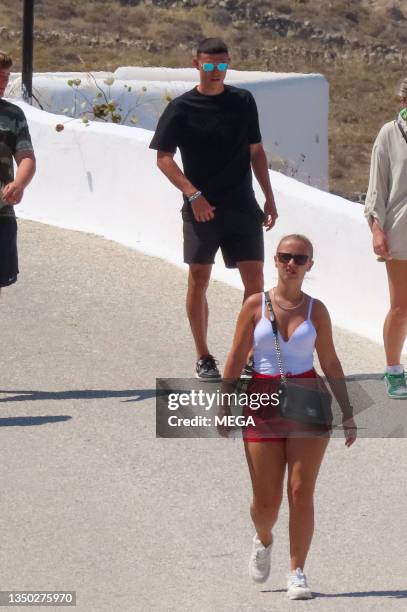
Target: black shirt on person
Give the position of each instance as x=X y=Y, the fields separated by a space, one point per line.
x=213 y=134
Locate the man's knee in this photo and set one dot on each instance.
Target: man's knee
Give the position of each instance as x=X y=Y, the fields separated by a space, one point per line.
x=253 y=282
x=199 y=277
x=399 y=312
x=251 y=271
x=254 y=285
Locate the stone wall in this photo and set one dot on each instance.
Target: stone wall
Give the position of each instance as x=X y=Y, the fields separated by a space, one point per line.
x=311 y=41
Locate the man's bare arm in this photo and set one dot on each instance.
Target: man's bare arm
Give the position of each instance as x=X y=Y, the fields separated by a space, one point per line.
x=201 y=208
x=26 y=165
x=261 y=172
x=167 y=165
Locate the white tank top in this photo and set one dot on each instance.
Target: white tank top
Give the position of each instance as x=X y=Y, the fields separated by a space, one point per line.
x=297 y=353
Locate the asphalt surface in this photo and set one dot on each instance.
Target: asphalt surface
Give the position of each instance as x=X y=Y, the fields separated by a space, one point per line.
x=92 y=501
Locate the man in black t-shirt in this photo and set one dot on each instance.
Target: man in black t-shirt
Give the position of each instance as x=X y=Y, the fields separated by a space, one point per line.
x=216 y=129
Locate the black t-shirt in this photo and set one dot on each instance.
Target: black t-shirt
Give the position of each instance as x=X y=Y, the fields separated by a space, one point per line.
x=213 y=134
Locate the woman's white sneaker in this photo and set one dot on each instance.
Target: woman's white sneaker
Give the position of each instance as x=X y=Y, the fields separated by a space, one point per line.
x=297 y=587
x=260 y=561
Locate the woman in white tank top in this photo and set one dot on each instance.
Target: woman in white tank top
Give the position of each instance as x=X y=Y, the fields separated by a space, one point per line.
x=303 y=326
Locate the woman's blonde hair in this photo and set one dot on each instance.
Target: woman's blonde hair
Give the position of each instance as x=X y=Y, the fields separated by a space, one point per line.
x=300 y=237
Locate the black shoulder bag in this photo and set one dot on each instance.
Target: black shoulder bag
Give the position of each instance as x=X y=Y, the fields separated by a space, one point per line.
x=309 y=402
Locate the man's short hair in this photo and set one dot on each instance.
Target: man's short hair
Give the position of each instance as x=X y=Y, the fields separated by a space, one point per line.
x=5 y=61
x=212 y=46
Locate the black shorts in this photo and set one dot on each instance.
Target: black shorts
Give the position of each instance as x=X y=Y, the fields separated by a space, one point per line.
x=238 y=233
x=8 y=251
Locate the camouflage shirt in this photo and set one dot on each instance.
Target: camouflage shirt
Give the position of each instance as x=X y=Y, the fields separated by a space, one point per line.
x=14 y=136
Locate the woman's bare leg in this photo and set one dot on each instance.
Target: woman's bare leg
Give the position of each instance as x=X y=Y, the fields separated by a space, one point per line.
x=266 y=461
x=395 y=325
x=304 y=457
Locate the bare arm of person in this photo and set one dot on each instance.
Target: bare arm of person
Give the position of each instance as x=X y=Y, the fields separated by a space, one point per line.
x=202 y=210
x=331 y=367
x=261 y=172
x=242 y=342
x=378 y=193
x=243 y=338
x=380 y=242
x=13 y=192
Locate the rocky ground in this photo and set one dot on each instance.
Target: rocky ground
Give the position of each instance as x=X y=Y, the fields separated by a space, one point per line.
x=360 y=46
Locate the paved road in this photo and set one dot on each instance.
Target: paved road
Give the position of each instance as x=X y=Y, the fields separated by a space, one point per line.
x=91 y=501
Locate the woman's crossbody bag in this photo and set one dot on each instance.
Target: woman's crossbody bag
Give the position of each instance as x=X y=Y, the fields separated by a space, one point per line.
x=309 y=402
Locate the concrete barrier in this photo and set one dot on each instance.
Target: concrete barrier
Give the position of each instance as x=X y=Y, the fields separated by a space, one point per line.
x=103 y=179
x=293 y=108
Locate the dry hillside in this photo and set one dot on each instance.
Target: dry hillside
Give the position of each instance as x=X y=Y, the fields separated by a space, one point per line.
x=359 y=45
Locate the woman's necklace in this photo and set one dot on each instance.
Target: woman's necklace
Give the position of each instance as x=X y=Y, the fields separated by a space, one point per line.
x=288 y=307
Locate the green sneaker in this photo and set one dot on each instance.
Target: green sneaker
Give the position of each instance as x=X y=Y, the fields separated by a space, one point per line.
x=396 y=385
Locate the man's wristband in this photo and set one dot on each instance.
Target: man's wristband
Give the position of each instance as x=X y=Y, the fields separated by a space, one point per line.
x=194 y=196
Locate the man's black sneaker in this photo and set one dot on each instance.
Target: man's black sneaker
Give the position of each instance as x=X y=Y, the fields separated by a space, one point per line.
x=248 y=370
x=206 y=368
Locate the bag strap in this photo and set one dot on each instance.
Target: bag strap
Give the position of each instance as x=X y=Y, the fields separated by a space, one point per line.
x=275 y=330
x=403 y=133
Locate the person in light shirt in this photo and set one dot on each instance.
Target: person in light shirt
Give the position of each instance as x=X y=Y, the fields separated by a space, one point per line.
x=386 y=213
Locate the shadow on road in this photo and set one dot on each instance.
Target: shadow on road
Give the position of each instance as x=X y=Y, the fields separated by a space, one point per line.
x=389 y=594
x=31 y=420
x=136 y=395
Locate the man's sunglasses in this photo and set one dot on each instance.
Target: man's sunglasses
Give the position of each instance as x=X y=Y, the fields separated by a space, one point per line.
x=209 y=67
x=299 y=260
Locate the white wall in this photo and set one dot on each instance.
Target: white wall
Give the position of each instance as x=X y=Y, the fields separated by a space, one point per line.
x=293 y=108
x=103 y=179
x=55 y=95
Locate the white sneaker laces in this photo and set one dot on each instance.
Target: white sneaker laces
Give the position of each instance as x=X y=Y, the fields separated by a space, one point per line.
x=298 y=579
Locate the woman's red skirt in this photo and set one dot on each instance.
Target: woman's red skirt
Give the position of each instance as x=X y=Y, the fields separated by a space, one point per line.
x=269 y=425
